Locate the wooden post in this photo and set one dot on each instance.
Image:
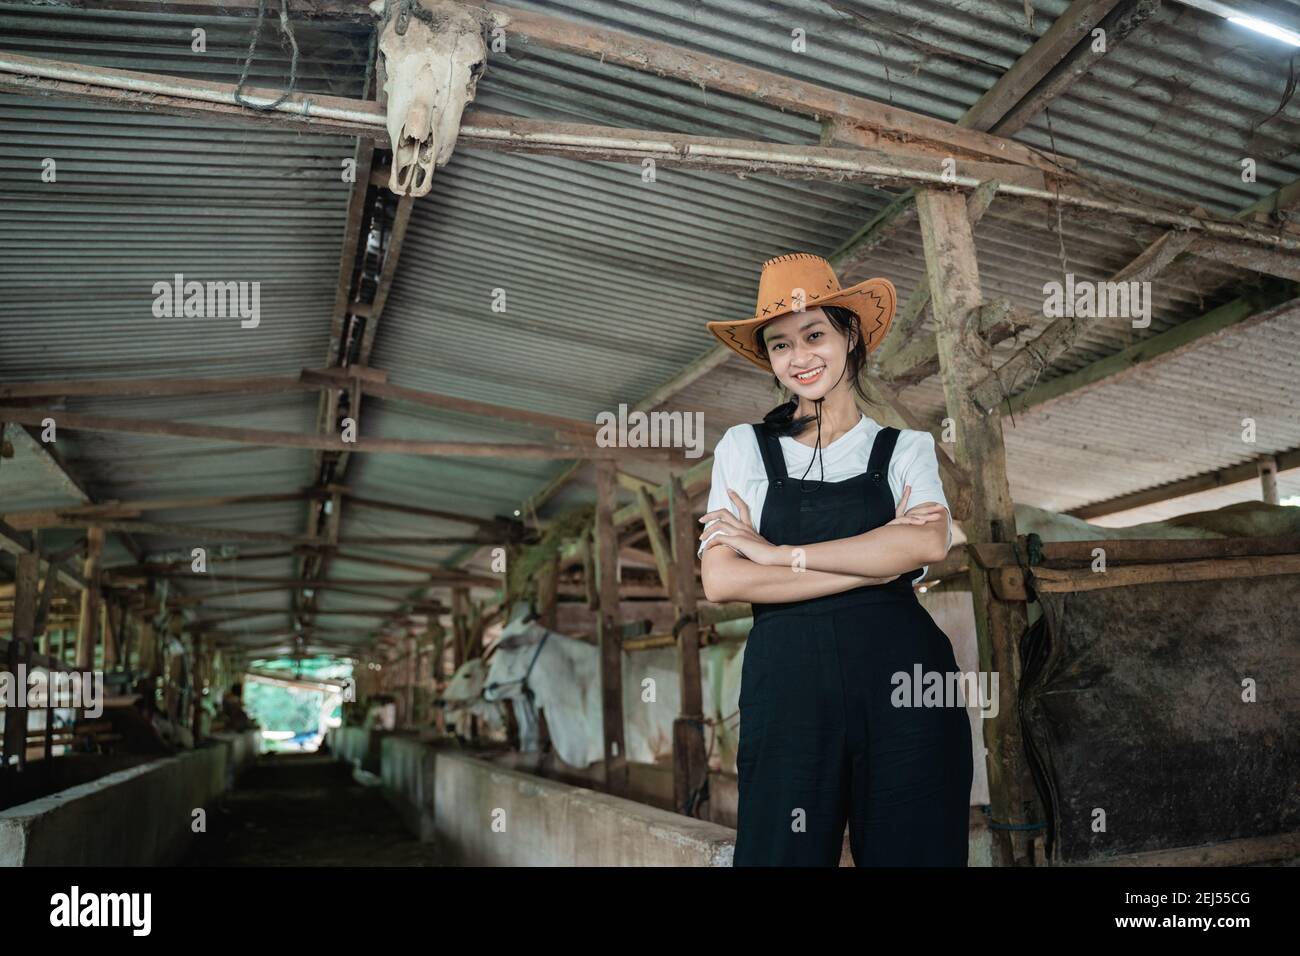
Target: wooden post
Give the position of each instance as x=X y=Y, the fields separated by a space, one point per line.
x=197 y=673
x=88 y=622
x=26 y=596
x=548 y=586
x=113 y=619
x=1268 y=480
x=955 y=287
x=459 y=638
x=690 y=757
x=609 y=630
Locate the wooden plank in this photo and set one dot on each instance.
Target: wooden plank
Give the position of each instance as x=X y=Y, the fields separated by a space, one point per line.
x=1137 y=550
x=609 y=631
x=156 y=387
x=690 y=757
x=1119 y=24
x=504 y=413
x=954 y=280
x=52 y=517
x=1283 y=265
x=1127 y=575
x=660 y=547
x=1034 y=64
x=1061 y=334
x=707 y=71
x=88 y=622
x=1151 y=352
x=280 y=439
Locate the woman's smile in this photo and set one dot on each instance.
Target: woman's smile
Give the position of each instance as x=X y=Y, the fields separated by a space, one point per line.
x=810 y=376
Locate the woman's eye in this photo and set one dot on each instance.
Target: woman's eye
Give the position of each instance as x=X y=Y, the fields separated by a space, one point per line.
x=813 y=336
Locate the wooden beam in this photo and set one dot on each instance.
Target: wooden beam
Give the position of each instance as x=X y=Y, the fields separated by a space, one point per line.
x=886 y=124
x=156 y=387
x=1073 y=63
x=1206 y=481
x=55 y=517
x=658 y=545
x=88 y=622
x=1251 y=309
x=280 y=439
x=1085 y=579
x=1060 y=334
x=954 y=280
x=1283 y=265
x=610 y=631
x=1062 y=37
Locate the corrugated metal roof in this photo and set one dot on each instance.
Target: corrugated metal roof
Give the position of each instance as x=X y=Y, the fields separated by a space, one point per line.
x=608 y=278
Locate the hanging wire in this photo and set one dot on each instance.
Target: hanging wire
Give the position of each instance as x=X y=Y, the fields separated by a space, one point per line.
x=286 y=32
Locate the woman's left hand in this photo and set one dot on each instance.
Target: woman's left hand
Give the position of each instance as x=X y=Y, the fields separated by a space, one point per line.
x=920 y=515
x=736 y=532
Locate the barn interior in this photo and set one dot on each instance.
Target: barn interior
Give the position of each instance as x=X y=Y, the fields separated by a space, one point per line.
x=308 y=495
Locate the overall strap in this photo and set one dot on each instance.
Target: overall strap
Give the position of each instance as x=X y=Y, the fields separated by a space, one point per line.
x=769 y=445
x=881 y=451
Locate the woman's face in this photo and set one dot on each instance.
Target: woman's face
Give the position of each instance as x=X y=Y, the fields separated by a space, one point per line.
x=807 y=352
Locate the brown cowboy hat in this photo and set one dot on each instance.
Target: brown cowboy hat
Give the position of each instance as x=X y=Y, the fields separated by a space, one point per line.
x=779 y=287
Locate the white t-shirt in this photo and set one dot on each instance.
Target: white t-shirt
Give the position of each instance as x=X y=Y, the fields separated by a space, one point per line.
x=738 y=465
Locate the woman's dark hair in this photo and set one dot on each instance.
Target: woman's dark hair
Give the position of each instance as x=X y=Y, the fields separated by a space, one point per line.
x=781 y=419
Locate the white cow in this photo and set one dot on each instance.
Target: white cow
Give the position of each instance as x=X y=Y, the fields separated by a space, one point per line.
x=563 y=675
x=463 y=699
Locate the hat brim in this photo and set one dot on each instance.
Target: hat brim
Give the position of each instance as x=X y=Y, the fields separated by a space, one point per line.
x=873 y=302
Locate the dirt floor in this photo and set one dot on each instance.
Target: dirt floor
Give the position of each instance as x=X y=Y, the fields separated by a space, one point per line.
x=305 y=810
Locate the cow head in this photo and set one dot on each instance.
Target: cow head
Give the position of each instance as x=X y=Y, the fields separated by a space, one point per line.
x=434 y=52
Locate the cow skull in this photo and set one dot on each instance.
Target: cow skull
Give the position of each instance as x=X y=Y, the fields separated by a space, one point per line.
x=431 y=70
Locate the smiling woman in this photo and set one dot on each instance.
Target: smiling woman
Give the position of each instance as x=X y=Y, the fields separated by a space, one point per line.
x=828 y=567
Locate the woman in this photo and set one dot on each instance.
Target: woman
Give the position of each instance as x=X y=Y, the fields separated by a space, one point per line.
x=825 y=734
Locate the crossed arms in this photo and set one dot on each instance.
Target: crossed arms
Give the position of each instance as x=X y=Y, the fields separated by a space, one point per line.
x=750 y=568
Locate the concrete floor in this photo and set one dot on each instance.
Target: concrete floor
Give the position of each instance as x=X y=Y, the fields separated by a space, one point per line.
x=305 y=810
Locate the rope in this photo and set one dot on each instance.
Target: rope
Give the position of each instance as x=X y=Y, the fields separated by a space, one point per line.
x=522 y=681
x=286 y=31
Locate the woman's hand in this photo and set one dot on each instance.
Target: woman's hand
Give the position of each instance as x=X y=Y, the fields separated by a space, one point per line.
x=723 y=527
x=918 y=516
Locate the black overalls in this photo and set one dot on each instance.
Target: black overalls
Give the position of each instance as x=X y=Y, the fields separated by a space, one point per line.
x=820 y=741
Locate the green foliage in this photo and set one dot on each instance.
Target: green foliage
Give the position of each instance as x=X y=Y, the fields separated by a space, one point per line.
x=523 y=568
x=283 y=708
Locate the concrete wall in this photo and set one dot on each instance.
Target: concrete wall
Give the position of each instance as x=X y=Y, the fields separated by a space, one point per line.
x=408 y=773
x=547 y=823
x=140 y=816
x=360 y=746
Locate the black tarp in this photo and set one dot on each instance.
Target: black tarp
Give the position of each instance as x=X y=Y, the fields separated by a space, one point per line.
x=1132 y=703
